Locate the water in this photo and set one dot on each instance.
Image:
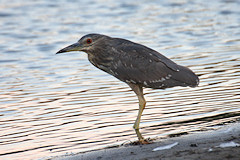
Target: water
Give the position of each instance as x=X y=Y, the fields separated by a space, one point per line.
x=53 y=104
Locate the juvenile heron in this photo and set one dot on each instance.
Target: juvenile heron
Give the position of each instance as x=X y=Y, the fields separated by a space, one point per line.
x=134 y=64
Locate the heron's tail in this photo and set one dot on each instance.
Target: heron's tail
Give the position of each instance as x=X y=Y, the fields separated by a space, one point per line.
x=186 y=77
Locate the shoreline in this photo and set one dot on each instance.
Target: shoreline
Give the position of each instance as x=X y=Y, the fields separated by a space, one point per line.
x=223 y=143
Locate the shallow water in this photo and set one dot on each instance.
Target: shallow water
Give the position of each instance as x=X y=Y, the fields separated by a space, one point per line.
x=53 y=104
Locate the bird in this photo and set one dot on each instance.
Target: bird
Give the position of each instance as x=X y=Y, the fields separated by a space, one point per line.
x=135 y=64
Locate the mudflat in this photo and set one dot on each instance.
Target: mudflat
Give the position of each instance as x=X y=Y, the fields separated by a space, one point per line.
x=220 y=144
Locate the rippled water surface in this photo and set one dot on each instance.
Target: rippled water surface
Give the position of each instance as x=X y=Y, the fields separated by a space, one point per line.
x=53 y=104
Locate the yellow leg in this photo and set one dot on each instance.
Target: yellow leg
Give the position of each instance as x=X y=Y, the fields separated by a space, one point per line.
x=142 y=103
x=139 y=135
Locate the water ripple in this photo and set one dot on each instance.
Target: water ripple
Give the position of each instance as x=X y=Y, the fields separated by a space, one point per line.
x=50 y=105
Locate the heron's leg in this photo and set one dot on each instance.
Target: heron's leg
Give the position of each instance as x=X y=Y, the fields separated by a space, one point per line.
x=139 y=135
x=142 y=103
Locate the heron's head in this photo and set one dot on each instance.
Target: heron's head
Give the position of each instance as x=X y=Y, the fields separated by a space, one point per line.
x=86 y=43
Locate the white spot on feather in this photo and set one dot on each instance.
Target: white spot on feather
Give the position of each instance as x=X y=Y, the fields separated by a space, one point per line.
x=132 y=81
x=160 y=80
x=145 y=83
x=168 y=76
x=114 y=49
x=111 y=71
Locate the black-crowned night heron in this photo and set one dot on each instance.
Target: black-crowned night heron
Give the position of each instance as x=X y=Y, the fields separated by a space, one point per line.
x=134 y=64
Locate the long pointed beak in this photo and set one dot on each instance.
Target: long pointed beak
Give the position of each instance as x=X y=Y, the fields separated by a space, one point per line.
x=74 y=47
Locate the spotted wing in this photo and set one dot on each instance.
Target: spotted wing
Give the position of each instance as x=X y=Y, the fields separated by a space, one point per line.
x=135 y=63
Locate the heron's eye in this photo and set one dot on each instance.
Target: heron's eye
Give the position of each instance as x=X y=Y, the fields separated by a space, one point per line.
x=89 y=41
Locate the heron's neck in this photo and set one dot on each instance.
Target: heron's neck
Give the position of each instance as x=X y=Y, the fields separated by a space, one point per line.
x=101 y=61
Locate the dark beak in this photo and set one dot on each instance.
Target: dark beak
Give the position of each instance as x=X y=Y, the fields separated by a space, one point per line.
x=74 y=47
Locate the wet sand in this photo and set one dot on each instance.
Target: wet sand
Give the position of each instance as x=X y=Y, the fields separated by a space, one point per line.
x=223 y=143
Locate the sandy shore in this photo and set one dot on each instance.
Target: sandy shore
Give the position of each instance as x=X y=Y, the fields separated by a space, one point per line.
x=221 y=144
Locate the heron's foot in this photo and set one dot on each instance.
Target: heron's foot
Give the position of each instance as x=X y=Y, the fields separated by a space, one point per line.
x=144 y=141
x=141 y=140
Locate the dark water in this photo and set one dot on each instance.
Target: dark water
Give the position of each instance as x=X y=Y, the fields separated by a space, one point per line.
x=53 y=104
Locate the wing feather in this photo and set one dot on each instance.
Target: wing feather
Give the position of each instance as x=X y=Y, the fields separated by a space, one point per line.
x=135 y=63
